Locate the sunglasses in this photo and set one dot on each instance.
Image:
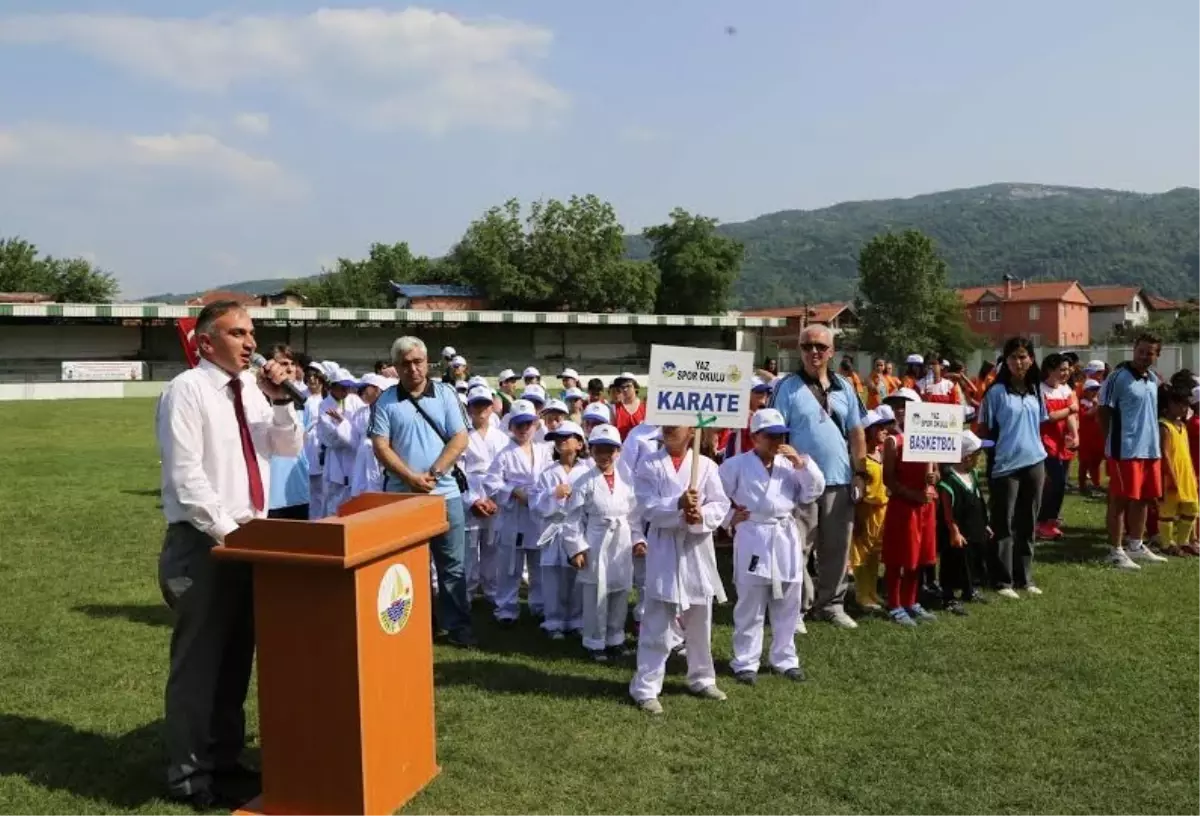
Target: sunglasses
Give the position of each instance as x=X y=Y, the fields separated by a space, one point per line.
x=821 y=347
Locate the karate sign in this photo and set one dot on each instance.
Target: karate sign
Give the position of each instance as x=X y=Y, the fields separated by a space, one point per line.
x=933 y=432
x=699 y=387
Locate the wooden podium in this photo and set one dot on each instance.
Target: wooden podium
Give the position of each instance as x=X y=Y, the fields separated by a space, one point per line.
x=345 y=656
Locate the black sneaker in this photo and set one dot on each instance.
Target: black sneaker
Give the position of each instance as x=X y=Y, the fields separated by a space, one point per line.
x=796 y=675
x=746 y=678
x=956 y=608
x=463 y=639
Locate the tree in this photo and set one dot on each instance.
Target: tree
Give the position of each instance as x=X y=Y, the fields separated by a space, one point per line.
x=67 y=280
x=906 y=303
x=367 y=283
x=564 y=256
x=697 y=266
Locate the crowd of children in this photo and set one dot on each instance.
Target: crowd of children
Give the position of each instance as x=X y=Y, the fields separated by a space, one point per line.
x=580 y=501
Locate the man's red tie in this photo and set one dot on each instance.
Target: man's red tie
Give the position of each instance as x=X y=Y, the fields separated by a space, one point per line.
x=252 y=471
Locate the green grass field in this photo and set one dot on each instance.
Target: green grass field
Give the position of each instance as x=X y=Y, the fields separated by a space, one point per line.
x=1082 y=701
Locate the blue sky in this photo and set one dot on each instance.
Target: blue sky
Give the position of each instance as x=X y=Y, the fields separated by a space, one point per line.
x=263 y=139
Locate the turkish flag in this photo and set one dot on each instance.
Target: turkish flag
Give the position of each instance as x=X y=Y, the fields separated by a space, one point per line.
x=186 y=326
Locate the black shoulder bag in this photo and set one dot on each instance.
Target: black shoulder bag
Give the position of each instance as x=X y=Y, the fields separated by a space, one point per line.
x=460 y=478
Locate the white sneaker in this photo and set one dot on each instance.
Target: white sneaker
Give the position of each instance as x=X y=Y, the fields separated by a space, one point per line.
x=1008 y=592
x=1032 y=590
x=801 y=628
x=651 y=706
x=841 y=620
x=710 y=693
x=1144 y=553
x=1119 y=559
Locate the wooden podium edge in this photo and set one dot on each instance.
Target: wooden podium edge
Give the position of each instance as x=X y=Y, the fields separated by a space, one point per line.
x=340 y=562
x=255 y=806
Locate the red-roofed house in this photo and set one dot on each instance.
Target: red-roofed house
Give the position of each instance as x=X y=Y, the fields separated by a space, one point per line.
x=1050 y=314
x=1162 y=307
x=838 y=316
x=213 y=295
x=1116 y=305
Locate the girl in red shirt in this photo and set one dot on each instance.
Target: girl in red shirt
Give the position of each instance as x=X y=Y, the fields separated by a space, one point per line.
x=1091 y=439
x=937 y=388
x=1060 y=437
x=910 y=524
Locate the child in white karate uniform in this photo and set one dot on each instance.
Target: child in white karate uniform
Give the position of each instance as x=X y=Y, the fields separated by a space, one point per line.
x=558 y=505
x=484 y=444
x=609 y=541
x=368 y=473
x=765 y=485
x=510 y=483
x=340 y=430
x=681 y=566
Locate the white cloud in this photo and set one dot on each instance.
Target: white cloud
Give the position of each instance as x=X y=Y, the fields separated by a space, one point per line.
x=71 y=152
x=256 y=124
x=637 y=134
x=415 y=68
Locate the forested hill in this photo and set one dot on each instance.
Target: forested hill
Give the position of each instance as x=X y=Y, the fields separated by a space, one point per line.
x=1029 y=230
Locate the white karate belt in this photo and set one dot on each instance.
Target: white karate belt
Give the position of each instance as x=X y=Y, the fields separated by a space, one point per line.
x=778 y=525
x=708 y=557
x=614 y=525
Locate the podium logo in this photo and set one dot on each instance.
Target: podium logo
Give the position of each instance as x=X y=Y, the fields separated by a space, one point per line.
x=395 y=599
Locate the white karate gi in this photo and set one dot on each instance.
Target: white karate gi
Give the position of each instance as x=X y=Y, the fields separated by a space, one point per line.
x=368 y=473
x=561 y=537
x=314 y=455
x=681 y=570
x=341 y=440
x=482 y=449
x=517 y=530
x=608 y=540
x=768 y=555
x=641 y=442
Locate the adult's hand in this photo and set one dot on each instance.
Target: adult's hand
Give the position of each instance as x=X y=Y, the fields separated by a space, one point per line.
x=270 y=379
x=422 y=483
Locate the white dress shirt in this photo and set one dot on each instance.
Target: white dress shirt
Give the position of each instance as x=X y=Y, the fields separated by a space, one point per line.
x=204 y=477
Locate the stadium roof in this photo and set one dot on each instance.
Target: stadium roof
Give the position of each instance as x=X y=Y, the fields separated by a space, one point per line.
x=161 y=311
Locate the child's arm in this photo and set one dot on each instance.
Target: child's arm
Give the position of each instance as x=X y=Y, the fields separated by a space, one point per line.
x=947 y=507
x=714 y=505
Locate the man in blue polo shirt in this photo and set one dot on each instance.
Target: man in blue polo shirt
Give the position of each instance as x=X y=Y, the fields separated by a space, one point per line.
x=825 y=419
x=1129 y=421
x=418 y=432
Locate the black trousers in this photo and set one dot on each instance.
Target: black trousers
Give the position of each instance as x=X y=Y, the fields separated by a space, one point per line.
x=959 y=570
x=212 y=651
x=1016 y=498
x=296 y=512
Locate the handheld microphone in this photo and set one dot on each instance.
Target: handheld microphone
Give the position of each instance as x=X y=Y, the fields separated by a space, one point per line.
x=293 y=391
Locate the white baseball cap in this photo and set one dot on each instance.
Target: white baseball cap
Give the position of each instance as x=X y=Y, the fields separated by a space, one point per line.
x=605 y=435
x=1090 y=384
x=522 y=411
x=448 y=352
x=624 y=377
x=885 y=413
x=969 y=412
x=1093 y=366
x=972 y=443
x=480 y=393
x=556 y=405
x=317 y=367
x=330 y=369
x=458 y=361
x=477 y=381
x=506 y=375
x=597 y=412
x=768 y=420
x=531 y=372
x=534 y=393
x=566 y=429
x=344 y=377
x=914 y=359
x=759 y=384
x=573 y=393
x=461 y=386
x=569 y=372
x=906 y=394
x=378 y=380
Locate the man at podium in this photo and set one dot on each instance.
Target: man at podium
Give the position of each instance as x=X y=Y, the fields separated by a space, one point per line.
x=418 y=432
x=218 y=426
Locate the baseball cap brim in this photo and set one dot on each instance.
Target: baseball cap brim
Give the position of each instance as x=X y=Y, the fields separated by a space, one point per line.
x=521 y=418
x=776 y=430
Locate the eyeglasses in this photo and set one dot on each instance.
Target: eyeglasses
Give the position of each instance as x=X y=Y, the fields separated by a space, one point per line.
x=821 y=347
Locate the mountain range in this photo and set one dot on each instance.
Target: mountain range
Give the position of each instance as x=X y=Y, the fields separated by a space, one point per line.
x=1032 y=231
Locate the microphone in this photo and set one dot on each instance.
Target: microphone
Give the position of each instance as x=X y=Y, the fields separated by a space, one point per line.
x=293 y=391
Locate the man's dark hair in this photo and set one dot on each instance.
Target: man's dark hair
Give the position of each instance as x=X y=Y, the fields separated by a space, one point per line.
x=380 y=365
x=282 y=350
x=1149 y=337
x=213 y=312
x=303 y=361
